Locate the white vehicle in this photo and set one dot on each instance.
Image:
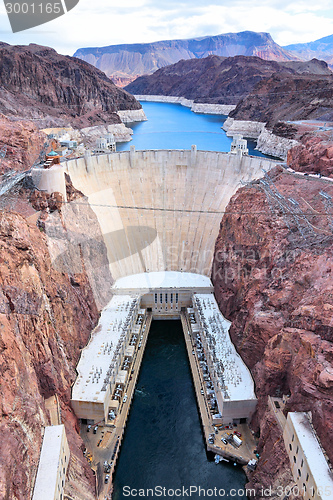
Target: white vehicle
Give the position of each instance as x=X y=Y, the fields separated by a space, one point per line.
x=125 y=398
x=236 y=440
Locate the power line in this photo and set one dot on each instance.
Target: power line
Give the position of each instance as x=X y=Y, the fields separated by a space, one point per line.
x=185 y=210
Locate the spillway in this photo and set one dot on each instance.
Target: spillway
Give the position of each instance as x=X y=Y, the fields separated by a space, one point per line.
x=160 y=210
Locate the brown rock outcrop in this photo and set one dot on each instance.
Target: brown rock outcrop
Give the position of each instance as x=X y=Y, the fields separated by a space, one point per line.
x=24 y=142
x=46 y=316
x=273 y=279
x=314 y=154
x=38 y=83
x=283 y=96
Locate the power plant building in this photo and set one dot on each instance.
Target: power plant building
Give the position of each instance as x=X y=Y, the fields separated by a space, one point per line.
x=101 y=366
x=232 y=380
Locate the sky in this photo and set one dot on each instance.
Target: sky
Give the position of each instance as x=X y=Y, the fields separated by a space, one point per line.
x=96 y=23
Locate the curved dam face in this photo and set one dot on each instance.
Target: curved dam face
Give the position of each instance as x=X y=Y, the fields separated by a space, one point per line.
x=160 y=210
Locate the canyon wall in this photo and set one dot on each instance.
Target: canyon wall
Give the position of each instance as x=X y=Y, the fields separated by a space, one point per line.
x=48 y=307
x=160 y=210
x=53 y=90
x=273 y=279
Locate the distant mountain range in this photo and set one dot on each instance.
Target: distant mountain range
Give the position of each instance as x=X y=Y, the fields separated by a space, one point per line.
x=320 y=49
x=124 y=63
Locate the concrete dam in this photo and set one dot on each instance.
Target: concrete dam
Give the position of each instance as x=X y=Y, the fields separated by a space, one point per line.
x=161 y=210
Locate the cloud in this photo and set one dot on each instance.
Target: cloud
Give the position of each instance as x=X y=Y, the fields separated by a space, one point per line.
x=101 y=23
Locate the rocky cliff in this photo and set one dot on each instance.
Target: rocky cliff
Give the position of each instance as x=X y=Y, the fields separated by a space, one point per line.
x=54 y=90
x=282 y=96
x=314 y=154
x=263 y=91
x=273 y=279
x=126 y=62
x=48 y=308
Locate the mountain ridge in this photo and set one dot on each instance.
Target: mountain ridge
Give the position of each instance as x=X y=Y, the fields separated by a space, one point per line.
x=263 y=91
x=38 y=83
x=320 y=49
x=124 y=62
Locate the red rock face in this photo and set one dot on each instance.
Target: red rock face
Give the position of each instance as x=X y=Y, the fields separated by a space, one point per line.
x=24 y=142
x=276 y=287
x=44 y=322
x=314 y=154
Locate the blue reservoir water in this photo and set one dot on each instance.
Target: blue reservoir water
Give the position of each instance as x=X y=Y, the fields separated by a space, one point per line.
x=163 y=445
x=172 y=126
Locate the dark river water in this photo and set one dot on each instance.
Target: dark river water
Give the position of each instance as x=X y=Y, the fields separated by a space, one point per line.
x=163 y=445
x=172 y=126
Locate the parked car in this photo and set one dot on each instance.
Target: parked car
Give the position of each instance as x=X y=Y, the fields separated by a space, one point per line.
x=107 y=477
x=95 y=429
x=224 y=441
x=238 y=434
x=88 y=427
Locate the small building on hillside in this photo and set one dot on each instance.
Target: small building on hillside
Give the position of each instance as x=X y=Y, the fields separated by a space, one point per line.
x=105 y=144
x=62 y=151
x=68 y=143
x=52 y=158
